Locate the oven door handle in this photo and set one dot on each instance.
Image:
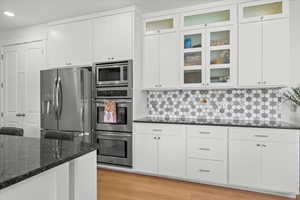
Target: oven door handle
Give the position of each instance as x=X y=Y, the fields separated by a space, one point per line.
x=119 y=105
x=114 y=135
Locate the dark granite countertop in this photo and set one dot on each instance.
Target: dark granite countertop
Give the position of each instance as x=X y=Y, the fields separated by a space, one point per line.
x=21 y=158
x=221 y=122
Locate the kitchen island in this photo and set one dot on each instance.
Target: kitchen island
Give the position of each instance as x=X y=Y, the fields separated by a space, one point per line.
x=48 y=169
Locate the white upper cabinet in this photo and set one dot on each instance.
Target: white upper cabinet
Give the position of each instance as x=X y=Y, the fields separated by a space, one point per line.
x=161 y=60
x=263 y=10
x=151 y=77
x=70 y=44
x=221 y=16
x=260 y=63
x=209 y=56
x=113 y=37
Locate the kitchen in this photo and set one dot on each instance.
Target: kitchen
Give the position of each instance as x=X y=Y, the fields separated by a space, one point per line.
x=185 y=94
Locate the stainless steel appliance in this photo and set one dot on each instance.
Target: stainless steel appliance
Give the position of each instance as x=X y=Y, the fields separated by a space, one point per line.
x=66 y=101
x=114 y=83
x=114 y=73
x=114 y=148
x=124 y=116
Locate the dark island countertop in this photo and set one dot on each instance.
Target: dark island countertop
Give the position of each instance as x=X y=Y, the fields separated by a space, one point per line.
x=21 y=157
x=221 y=122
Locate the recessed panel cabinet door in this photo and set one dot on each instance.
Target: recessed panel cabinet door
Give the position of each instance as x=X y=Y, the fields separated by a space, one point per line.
x=122 y=35
x=171 y=153
x=102 y=39
x=280 y=167
x=250 y=54
x=70 y=44
x=145 y=153
x=151 y=61
x=276 y=52
x=169 y=60
x=244 y=163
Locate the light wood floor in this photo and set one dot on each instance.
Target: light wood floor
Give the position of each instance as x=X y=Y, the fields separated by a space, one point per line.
x=124 y=186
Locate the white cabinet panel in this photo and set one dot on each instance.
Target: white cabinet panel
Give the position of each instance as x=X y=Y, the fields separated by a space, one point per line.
x=122 y=36
x=145 y=153
x=151 y=61
x=250 y=54
x=169 y=59
x=280 y=167
x=70 y=44
x=276 y=52
x=244 y=163
x=161 y=61
x=207 y=149
x=207 y=170
x=113 y=37
x=171 y=154
x=102 y=39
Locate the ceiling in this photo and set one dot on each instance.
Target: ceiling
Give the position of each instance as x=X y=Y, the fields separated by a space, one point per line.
x=31 y=12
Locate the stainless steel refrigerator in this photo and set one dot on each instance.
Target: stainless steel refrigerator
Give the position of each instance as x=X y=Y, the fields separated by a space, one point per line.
x=66 y=95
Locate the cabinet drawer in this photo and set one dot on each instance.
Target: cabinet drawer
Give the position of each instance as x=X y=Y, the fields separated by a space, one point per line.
x=207 y=149
x=206 y=170
x=207 y=132
x=158 y=128
x=264 y=134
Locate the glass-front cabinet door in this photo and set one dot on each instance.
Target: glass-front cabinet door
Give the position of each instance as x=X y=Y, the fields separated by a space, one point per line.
x=193 y=57
x=160 y=25
x=262 y=10
x=208 y=17
x=208 y=57
x=220 y=56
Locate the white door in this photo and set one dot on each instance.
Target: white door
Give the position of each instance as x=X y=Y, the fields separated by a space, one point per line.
x=70 y=44
x=13 y=86
x=102 y=39
x=35 y=61
x=171 y=154
x=244 y=163
x=280 y=167
x=151 y=61
x=250 y=54
x=276 y=52
x=169 y=60
x=145 y=153
x=121 y=36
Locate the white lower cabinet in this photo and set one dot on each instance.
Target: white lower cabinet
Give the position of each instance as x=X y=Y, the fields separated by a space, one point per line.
x=258 y=158
x=207 y=153
x=207 y=170
x=145 y=153
x=160 y=149
x=267 y=159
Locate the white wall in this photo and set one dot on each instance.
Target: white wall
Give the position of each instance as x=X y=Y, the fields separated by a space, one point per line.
x=295 y=41
x=27 y=34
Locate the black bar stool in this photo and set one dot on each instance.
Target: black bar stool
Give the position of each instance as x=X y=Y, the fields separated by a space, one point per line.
x=11 y=131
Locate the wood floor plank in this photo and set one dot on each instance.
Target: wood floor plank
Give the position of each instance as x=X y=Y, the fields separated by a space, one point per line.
x=113 y=185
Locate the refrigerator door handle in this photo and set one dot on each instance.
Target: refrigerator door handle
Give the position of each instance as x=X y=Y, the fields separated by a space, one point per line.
x=59 y=98
x=54 y=97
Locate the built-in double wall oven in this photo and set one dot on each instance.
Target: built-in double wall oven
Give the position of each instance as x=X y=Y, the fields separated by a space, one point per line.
x=113 y=112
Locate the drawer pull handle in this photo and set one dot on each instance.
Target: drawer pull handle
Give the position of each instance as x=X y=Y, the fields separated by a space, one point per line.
x=262 y=136
x=205 y=132
x=204 y=170
x=204 y=149
x=156 y=130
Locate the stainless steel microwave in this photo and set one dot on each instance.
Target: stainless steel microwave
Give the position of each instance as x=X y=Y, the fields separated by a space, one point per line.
x=114 y=73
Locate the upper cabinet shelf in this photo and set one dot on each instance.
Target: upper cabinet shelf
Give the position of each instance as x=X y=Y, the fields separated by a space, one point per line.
x=263 y=10
x=209 y=18
x=160 y=25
